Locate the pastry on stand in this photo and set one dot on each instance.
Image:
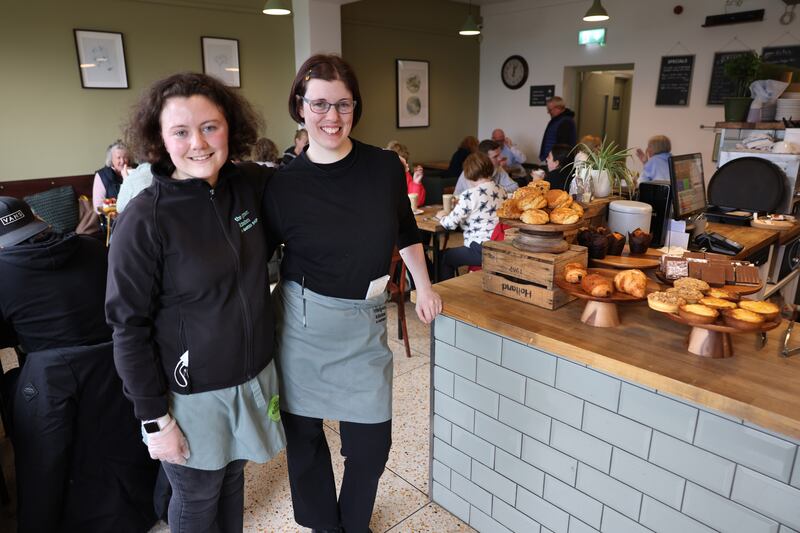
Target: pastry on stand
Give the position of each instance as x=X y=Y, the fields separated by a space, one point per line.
x=602 y=288
x=713 y=322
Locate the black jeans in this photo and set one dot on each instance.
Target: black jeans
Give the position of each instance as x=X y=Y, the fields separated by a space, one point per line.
x=366 y=450
x=452 y=258
x=206 y=501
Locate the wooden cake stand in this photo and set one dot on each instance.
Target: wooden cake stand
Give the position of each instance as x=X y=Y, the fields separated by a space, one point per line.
x=540 y=237
x=741 y=290
x=714 y=340
x=602 y=312
x=646 y=261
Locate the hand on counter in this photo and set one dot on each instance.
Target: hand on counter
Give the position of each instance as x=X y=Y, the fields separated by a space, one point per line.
x=429 y=304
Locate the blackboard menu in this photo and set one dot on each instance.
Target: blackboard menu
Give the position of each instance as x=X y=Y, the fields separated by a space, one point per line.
x=675 y=80
x=782 y=55
x=721 y=87
x=540 y=94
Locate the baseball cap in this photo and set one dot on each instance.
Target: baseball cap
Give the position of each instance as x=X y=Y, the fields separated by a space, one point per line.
x=17 y=222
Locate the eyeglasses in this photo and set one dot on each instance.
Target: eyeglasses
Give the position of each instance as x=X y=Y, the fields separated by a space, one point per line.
x=343 y=107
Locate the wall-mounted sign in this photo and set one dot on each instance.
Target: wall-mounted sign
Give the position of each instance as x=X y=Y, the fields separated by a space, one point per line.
x=675 y=80
x=540 y=94
x=782 y=55
x=595 y=37
x=720 y=86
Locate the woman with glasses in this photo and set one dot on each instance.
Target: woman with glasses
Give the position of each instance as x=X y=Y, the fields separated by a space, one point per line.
x=340 y=209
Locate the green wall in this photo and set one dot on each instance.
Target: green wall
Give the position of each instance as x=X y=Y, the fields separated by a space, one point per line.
x=376 y=32
x=50 y=126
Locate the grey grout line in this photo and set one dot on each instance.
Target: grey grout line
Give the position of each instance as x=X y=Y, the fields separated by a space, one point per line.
x=409 y=516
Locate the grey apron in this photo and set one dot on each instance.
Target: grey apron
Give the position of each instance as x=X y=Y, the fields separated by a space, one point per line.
x=333 y=357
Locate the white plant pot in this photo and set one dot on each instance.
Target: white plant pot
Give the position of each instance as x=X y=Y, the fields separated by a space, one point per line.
x=601 y=184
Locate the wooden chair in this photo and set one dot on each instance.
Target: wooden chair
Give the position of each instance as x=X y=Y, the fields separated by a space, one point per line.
x=397 y=293
x=447 y=190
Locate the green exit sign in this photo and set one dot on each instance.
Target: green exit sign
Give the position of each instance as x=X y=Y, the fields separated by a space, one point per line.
x=595 y=37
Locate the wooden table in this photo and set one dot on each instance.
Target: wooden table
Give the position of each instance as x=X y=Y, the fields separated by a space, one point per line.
x=756 y=385
x=426 y=222
x=753 y=239
x=436 y=165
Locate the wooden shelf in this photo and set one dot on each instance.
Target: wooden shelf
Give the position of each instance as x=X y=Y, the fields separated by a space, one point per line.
x=750 y=125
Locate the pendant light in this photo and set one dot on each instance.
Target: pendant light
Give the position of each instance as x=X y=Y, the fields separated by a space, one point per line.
x=277 y=7
x=596 y=13
x=470 y=27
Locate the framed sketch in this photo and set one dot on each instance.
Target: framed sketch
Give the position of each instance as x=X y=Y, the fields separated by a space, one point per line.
x=221 y=59
x=101 y=59
x=413 y=94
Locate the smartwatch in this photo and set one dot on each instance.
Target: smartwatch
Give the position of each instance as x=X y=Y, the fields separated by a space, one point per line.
x=154 y=426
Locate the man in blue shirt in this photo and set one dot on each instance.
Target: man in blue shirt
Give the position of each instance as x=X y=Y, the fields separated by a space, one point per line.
x=500 y=177
x=513 y=155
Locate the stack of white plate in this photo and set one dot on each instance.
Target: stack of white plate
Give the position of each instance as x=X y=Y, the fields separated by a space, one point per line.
x=788 y=108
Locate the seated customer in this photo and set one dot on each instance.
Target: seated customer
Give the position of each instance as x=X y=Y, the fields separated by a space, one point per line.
x=469 y=145
x=265 y=153
x=500 y=176
x=655 y=159
x=559 y=170
x=413 y=183
x=476 y=214
x=300 y=142
x=80 y=463
x=108 y=179
x=513 y=156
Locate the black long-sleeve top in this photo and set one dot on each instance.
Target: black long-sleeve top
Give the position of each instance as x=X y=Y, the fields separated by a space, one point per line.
x=340 y=221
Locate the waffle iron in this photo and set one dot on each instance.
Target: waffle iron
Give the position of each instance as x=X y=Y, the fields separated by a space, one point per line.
x=742 y=187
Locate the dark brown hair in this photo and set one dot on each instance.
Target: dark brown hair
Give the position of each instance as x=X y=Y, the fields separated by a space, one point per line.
x=477 y=166
x=487 y=145
x=470 y=143
x=144 y=127
x=327 y=67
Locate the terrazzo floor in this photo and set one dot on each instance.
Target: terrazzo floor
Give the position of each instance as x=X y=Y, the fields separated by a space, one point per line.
x=402 y=503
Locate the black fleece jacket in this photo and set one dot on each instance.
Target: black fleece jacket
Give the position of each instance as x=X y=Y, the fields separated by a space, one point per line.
x=188 y=277
x=52 y=293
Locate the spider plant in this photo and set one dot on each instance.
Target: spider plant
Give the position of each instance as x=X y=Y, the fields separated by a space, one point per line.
x=611 y=158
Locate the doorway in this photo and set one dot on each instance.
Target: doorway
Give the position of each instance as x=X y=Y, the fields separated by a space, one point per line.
x=602 y=97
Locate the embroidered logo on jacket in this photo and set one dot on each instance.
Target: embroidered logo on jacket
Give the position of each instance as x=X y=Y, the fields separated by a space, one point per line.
x=244 y=221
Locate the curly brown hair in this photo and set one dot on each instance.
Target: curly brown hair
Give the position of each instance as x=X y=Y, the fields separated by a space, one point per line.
x=327 y=67
x=143 y=131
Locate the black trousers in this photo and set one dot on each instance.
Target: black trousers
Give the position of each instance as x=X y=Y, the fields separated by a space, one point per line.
x=365 y=448
x=452 y=258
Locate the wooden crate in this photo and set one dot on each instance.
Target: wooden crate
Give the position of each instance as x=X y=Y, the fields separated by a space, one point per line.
x=527 y=276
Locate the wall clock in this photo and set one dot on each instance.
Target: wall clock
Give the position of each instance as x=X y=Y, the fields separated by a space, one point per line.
x=514 y=72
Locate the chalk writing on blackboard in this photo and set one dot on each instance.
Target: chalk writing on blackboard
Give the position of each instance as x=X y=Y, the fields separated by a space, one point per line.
x=675 y=80
x=782 y=55
x=720 y=86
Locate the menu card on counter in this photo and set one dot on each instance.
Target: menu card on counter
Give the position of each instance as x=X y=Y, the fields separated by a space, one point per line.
x=675 y=80
x=720 y=86
x=782 y=55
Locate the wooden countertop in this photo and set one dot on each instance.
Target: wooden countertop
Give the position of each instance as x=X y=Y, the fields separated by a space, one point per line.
x=756 y=385
x=753 y=239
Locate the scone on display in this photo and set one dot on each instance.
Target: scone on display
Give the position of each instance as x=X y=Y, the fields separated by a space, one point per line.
x=532 y=202
x=564 y=215
x=574 y=272
x=535 y=216
x=768 y=310
x=578 y=208
x=742 y=319
x=698 y=313
x=717 y=303
x=691 y=296
x=691 y=283
x=558 y=198
x=509 y=209
x=633 y=282
x=722 y=293
x=664 y=302
x=540 y=185
x=597 y=286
